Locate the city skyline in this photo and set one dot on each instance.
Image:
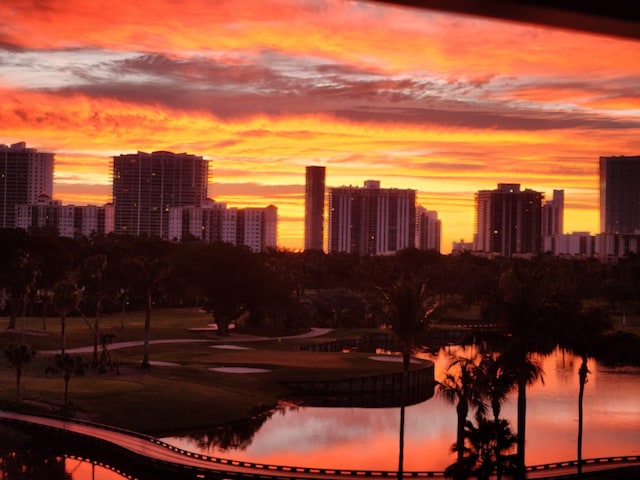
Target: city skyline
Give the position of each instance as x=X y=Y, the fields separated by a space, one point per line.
x=444 y=104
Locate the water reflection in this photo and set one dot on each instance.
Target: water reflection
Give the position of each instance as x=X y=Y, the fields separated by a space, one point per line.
x=35 y=455
x=354 y=438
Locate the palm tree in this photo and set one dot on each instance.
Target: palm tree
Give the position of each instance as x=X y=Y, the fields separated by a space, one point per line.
x=531 y=299
x=69 y=366
x=408 y=307
x=18 y=355
x=24 y=273
x=149 y=272
x=458 y=387
x=484 y=440
x=95 y=267
x=496 y=380
x=583 y=334
x=66 y=299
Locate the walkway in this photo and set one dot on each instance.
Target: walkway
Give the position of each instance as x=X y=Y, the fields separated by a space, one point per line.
x=314 y=332
x=157 y=451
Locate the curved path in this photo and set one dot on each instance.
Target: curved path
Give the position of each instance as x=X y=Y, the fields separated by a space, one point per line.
x=156 y=451
x=314 y=332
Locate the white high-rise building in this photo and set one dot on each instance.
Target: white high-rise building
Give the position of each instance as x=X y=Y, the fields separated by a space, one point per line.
x=25 y=174
x=508 y=221
x=371 y=220
x=70 y=221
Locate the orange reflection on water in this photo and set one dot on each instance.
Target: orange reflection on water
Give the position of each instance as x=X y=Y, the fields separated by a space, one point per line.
x=359 y=438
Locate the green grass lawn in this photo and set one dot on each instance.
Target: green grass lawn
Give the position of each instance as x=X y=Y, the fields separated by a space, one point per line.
x=166 y=399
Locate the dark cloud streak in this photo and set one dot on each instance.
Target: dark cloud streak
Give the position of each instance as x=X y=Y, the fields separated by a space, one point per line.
x=245 y=87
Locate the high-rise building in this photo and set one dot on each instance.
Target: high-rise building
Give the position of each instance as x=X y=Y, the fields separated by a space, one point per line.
x=371 y=220
x=620 y=194
x=508 y=221
x=314 y=208
x=25 y=174
x=428 y=229
x=146 y=186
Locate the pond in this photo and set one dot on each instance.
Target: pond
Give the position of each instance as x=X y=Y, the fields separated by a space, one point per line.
x=367 y=438
x=353 y=438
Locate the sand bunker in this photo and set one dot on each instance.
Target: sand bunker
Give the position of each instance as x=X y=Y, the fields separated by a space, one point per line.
x=390 y=358
x=230 y=347
x=163 y=364
x=239 y=370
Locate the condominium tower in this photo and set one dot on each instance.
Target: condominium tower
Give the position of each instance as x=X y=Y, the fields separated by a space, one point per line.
x=620 y=194
x=508 y=221
x=371 y=220
x=25 y=174
x=146 y=186
x=314 y=208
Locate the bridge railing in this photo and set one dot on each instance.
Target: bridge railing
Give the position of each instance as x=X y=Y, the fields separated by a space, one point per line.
x=588 y=461
x=292 y=469
x=614 y=460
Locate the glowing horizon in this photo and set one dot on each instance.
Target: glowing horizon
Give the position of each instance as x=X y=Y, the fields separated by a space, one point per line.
x=445 y=104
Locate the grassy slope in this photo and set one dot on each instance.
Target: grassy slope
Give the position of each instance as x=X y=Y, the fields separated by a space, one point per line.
x=169 y=399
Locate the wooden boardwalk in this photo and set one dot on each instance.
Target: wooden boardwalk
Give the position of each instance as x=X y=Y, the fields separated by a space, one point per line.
x=194 y=465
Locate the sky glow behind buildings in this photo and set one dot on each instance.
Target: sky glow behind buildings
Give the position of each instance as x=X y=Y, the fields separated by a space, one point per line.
x=447 y=105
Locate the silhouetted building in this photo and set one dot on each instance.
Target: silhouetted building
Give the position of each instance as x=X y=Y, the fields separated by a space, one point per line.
x=25 y=174
x=146 y=186
x=428 y=229
x=508 y=221
x=314 y=208
x=553 y=214
x=371 y=220
x=620 y=194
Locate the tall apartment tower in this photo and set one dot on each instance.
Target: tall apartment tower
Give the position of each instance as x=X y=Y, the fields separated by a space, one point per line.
x=25 y=174
x=371 y=220
x=146 y=186
x=553 y=215
x=428 y=229
x=620 y=194
x=314 y=208
x=508 y=221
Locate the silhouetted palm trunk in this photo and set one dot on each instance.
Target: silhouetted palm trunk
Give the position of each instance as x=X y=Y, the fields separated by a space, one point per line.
x=96 y=328
x=582 y=374
x=522 y=423
x=495 y=407
x=403 y=397
x=67 y=378
x=147 y=330
x=63 y=324
x=462 y=410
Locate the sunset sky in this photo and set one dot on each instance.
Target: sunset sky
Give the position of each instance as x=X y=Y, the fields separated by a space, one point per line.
x=445 y=104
